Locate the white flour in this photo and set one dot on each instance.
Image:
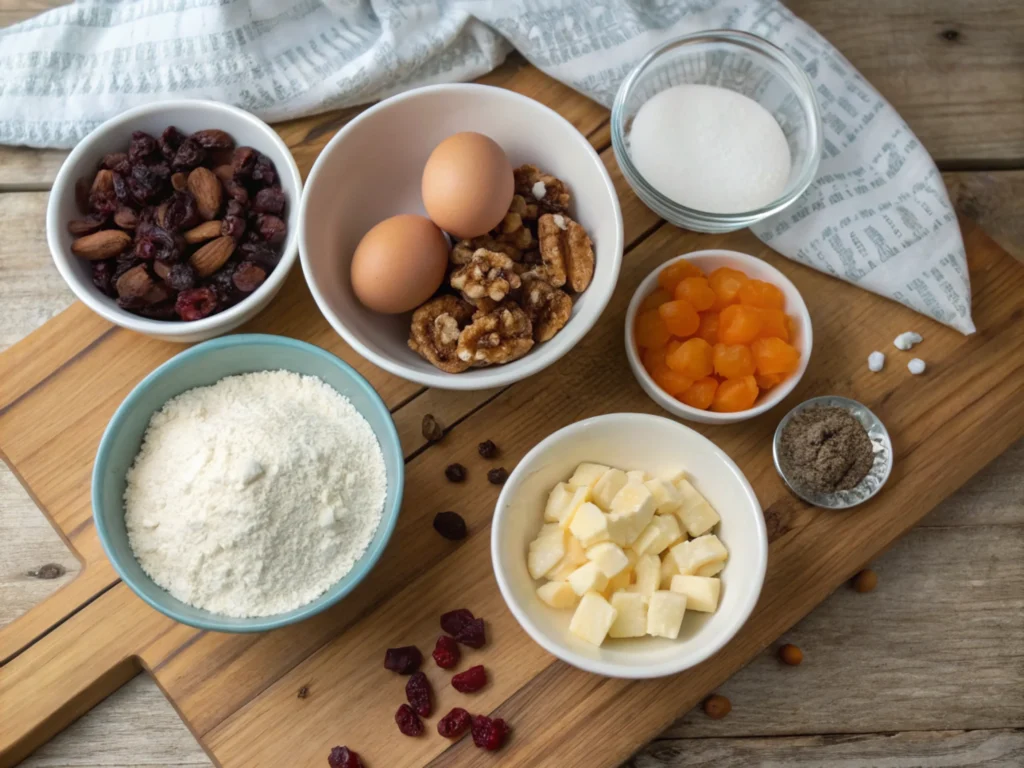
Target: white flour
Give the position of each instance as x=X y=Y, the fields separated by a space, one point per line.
x=254 y=495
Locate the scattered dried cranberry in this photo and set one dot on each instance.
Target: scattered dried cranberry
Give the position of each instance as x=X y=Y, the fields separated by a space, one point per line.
x=470 y=681
x=242 y=161
x=260 y=254
x=417 y=691
x=182 y=212
x=450 y=525
x=343 y=757
x=408 y=721
x=142 y=146
x=181 y=277
x=170 y=140
x=248 y=277
x=404 y=660
x=455 y=723
x=456 y=473
x=236 y=191
x=487 y=449
x=103 y=276
x=116 y=161
x=489 y=734
x=271 y=228
x=432 y=429
x=269 y=200
x=196 y=303
x=263 y=171
x=446 y=652
x=472 y=634
x=453 y=621
x=189 y=155
x=498 y=476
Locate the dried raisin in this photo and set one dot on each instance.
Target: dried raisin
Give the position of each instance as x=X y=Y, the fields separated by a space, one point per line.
x=453 y=621
x=470 y=681
x=248 y=277
x=343 y=757
x=450 y=525
x=408 y=721
x=455 y=473
x=487 y=449
x=446 y=652
x=141 y=147
x=498 y=476
x=489 y=734
x=472 y=634
x=417 y=692
x=269 y=200
x=404 y=660
x=455 y=723
x=432 y=429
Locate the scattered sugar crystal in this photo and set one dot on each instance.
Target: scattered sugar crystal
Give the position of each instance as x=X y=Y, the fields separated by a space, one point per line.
x=539 y=190
x=906 y=340
x=875 y=361
x=916 y=366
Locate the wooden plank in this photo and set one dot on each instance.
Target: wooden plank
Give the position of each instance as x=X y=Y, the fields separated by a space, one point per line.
x=996 y=201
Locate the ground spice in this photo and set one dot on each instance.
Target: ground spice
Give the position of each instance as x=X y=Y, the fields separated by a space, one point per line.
x=825 y=449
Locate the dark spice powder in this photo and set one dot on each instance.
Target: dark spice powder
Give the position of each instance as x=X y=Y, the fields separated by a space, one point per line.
x=825 y=449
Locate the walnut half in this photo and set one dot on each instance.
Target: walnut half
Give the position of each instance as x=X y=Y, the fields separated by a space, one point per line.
x=566 y=250
x=550 y=194
x=463 y=251
x=435 y=330
x=548 y=308
x=501 y=336
x=488 y=275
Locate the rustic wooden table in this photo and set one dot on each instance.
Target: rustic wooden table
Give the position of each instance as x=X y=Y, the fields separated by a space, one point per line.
x=912 y=674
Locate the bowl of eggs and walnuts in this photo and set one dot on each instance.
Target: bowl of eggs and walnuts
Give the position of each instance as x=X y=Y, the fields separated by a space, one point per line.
x=460 y=236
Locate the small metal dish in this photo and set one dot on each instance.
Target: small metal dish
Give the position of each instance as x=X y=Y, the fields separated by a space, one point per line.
x=872 y=482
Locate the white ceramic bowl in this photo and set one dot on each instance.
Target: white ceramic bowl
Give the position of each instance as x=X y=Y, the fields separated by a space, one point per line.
x=188 y=115
x=372 y=169
x=753 y=267
x=631 y=441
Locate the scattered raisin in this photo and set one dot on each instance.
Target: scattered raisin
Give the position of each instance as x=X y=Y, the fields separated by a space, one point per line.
x=263 y=171
x=343 y=757
x=487 y=449
x=446 y=652
x=865 y=581
x=498 y=475
x=489 y=734
x=116 y=161
x=456 y=473
x=182 y=212
x=417 y=692
x=195 y=304
x=170 y=140
x=141 y=147
x=248 y=277
x=716 y=707
x=455 y=723
x=470 y=681
x=242 y=161
x=162 y=310
x=213 y=138
x=269 y=200
x=271 y=228
x=404 y=660
x=450 y=525
x=303 y=692
x=453 y=621
x=472 y=634
x=432 y=429
x=408 y=721
x=189 y=155
x=236 y=191
x=103 y=276
x=791 y=655
x=181 y=277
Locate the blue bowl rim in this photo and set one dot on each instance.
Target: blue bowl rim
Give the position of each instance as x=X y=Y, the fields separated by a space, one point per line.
x=257 y=623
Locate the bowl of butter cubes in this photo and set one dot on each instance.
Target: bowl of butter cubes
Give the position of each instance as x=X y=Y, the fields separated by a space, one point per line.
x=629 y=545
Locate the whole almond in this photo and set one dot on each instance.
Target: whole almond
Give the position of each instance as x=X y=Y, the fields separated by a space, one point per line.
x=205 y=188
x=101 y=245
x=104 y=182
x=212 y=256
x=161 y=270
x=179 y=181
x=224 y=172
x=205 y=231
x=125 y=217
x=160 y=217
x=134 y=284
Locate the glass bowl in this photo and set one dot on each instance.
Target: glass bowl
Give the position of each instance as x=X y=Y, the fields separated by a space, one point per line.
x=740 y=62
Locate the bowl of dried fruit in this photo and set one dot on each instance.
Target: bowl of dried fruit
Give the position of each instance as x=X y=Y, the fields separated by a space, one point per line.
x=176 y=219
x=512 y=300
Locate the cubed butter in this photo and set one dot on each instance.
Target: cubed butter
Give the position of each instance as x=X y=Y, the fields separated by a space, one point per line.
x=673 y=476
x=648 y=574
x=631 y=615
x=701 y=592
x=668 y=570
x=637 y=476
x=711 y=569
x=667 y=498
x=558 y=594
x=661 y=533
x=546 y=551
x=593 y=618
x=588 y=578
x=609 y=557
x=605 y=489
x=631 y=511
x=696 y=515
x=665 y=611
x=586 y=475
x=692 y=555
x=618 y=582
x=574 y=557
x=589 y=525
x=563 y=501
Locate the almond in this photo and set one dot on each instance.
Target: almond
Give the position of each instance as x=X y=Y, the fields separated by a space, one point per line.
x=101 y=245
x=179 y=181
x=160 y=217
x=134 y=284
x=104 y=182
x=205 y=188
x=205 y=231
x=161 y=270
x=224 y=172
x=212 y=256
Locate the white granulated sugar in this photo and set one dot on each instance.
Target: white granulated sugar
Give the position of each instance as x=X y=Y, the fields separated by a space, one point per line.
x=916 y=366
x=539 y=190
x=876 y=361
x=710 y=148
x=253 y=496
x=907 y=340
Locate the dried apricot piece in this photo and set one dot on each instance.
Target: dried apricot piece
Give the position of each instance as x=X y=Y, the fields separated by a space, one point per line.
x=670 y=276
x=671 y=381
x=680 y=317
x=700 y=394
x=733 y=360
x=773 y=323
x=735 y=395
x=694 y=358
x=738 y=324
x=758 y=293
x=769 y=380
x=653 y=358
x=673 y=345
x=773 y=355
x=708 y=328
x=697 y=291
x=655 y=299
x=649 y=330
x=726 y=284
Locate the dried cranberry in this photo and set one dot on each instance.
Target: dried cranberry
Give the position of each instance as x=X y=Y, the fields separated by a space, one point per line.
x=470 y=681
x=104 y=203
x=263 y=171
x=455 y=723
x=248 y=277
x=242 y=162
x=497 y=476
x=453 y=621
x=455 y=473
x=189 y=155
x=162 y=310
x=232 y=226
x=408 y=722
x=404 y=660
x=122 y=191
x=103 y=276
x=182 y=277
x=446 y=652
x=343 y=757
x=261 y=254
x=170 y=140
x=487 y=449
x=156 y=243
x=271 y=228
x=269 y=200
x=213 y=138
x=118 y=162
x=472 y=634
x=236 y=191
x=489 y=734
x=450 y=525
x=417 y=692
x=182 y=212
x=141 y=147
x=222 y=281
x=196 y=303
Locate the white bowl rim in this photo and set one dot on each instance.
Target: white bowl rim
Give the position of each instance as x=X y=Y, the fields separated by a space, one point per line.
x=775 y=396
x=168 y=329
x=608 y=669
x=484 y=378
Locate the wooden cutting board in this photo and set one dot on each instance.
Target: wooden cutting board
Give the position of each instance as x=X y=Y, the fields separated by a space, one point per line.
x=239 y=694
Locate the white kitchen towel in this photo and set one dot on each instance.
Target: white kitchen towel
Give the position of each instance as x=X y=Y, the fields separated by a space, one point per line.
x=877 y=216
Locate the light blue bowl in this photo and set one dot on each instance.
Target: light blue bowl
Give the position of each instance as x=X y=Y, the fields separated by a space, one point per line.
x=205 y=364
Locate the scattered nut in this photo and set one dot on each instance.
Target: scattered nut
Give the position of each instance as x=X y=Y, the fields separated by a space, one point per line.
x=497 y=476
x=432 y=429
x=716 y=707
x=865 y=581
x=436 y=329
x=487 y=449
x=566 y=250
x=501 y=336
x=791 y=655
x=455 y=473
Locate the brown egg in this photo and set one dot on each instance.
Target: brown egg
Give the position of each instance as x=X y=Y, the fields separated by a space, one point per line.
x=467 y=184
x=399 y=264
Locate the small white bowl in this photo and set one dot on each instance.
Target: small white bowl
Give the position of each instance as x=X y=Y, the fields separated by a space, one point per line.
x=188 y=115
x=372 y=170
x=631 y=441
x=803 y=338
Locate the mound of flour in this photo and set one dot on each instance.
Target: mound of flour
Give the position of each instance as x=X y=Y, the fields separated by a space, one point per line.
x=254 y=495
